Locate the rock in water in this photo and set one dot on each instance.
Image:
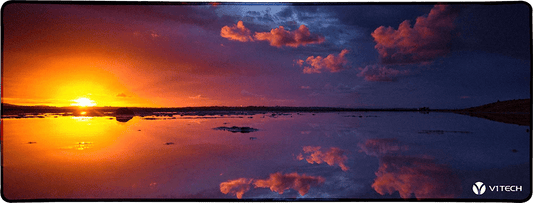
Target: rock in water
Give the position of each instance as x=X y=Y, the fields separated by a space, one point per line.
x=236 y=129
x=124 y=114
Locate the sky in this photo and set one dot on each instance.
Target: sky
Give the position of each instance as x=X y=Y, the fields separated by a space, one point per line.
x=269 y=54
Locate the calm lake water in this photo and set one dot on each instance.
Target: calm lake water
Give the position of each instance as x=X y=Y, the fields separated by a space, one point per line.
x=357 y=155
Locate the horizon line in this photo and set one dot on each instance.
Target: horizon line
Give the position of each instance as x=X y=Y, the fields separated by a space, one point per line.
x=277 y=106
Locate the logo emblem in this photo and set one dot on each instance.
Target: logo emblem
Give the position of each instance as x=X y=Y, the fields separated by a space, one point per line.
x=479 y=188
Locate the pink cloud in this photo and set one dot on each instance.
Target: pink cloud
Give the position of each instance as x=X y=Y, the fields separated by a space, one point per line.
x=236 y=187
x=279 y=37
x=331 y=62
x=279 y=182
x=334 y=156
x=380 y=147
x=196 y=97
x=380 y=73
x=420 y=176
x=237 y=32
x=300 y=62
x=428 y=39
x=310 y=70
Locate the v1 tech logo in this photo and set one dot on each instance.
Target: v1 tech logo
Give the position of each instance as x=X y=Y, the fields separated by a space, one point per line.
x=479 y=188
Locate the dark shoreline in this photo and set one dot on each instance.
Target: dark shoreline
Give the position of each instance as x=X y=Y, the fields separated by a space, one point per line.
x=8 y=109
x=511 y=118
x=511 y=111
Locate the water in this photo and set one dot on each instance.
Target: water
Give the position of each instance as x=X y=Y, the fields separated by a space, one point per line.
x=356 y=155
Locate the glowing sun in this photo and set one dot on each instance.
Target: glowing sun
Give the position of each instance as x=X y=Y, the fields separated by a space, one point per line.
x=83 y=102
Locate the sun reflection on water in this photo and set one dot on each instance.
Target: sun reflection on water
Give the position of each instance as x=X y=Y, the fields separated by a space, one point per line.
x=81 y=118
x=79 y=146
x=83 y=145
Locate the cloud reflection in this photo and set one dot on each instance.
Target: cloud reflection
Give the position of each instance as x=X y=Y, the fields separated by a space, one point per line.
x=334 y=156
x=379 y=147
x=277 y=182
x=236 y=187
x=420 y=176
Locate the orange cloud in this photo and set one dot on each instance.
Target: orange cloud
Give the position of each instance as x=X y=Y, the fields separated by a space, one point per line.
x=310 y=70
x=334 y=156
x=237 y=32
x=279 y=182
x=428 y=39
x=279 y=37
x=300 y=62
x=331 y=63
x=420 y=176
x=380 y=147
x=196 y=97
x=380 y=73
x=236 y=187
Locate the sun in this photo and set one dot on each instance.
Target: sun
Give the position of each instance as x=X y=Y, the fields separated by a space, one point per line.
x=83 y=102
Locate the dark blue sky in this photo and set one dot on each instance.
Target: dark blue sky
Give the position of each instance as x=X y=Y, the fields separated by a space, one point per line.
x=341 y=55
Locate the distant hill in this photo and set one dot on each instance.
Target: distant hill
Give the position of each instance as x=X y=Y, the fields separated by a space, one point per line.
x=510 y=111
x=509 y=106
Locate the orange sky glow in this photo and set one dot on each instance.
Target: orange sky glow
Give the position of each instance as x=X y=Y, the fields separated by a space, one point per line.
x=229 y=55
x=60 y=59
